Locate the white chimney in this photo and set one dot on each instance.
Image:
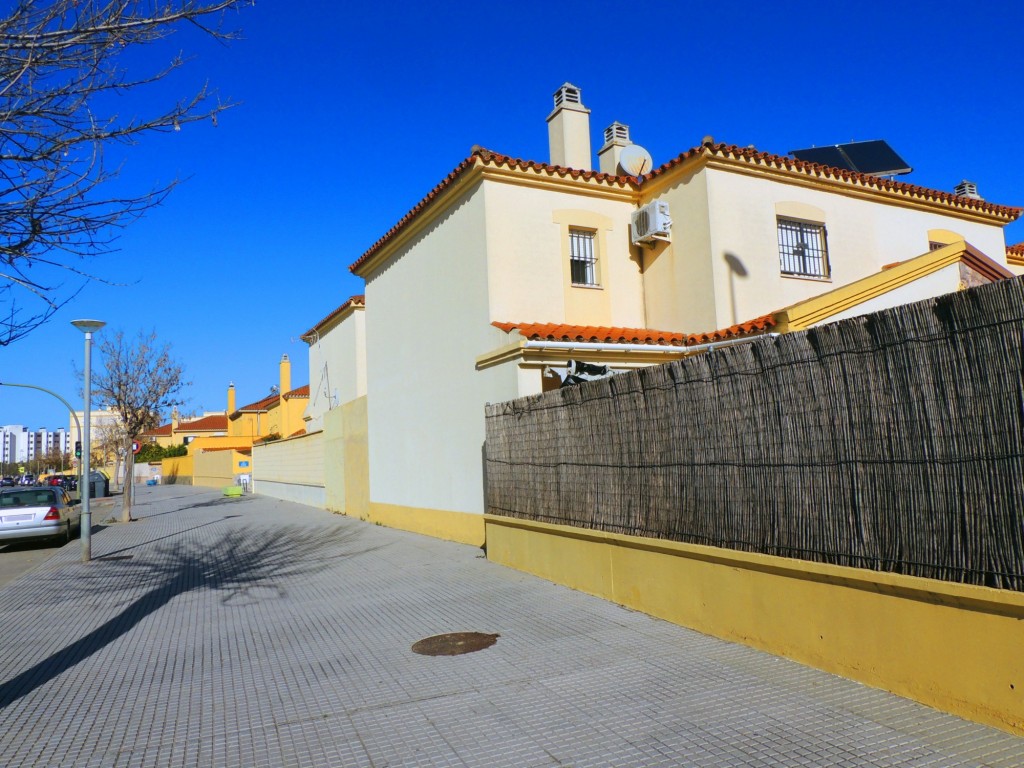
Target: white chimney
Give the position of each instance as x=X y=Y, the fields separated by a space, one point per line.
x=967 y=189
x=616 y=136
x=569 y=130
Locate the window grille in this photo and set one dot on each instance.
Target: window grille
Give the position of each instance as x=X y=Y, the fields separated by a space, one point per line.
x=802 y=249
x=582 y=260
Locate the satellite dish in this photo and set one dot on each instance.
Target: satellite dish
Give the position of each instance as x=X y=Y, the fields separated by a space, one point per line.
x=635 y=160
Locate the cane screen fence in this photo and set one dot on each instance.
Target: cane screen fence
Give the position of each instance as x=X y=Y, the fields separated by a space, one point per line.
x=890 y=442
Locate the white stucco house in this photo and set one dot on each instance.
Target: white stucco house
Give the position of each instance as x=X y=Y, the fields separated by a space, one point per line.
x=509 y=265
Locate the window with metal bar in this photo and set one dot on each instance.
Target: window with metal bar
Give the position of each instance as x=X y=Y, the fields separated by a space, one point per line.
x=582 y=258
x=803 y=249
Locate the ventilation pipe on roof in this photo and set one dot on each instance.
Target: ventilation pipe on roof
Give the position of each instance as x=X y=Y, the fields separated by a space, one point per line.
x=569 y=130
x=616 y=136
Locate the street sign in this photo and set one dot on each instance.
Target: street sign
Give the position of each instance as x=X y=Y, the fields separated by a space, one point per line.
x=136 y=447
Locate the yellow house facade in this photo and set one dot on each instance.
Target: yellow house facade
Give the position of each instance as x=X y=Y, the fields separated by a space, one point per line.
x=503 y=244
x=279 y=413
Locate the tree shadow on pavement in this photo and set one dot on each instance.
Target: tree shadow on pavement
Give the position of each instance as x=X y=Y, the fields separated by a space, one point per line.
x=246 y=565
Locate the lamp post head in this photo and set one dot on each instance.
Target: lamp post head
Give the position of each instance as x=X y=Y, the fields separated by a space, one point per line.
x=88 y=326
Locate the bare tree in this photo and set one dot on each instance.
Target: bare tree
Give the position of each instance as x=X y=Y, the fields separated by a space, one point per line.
x=109 y=440
x=138 y=380
x=60 y=69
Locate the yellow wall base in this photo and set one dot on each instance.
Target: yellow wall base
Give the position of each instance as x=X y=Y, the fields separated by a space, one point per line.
x=954 y=647
x=463 y=527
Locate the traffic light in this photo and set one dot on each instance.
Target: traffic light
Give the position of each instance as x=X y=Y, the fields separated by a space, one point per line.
x=78 y=449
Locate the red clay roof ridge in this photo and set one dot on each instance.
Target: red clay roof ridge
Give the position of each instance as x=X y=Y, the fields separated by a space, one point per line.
x=750 y=154
x=480 y=154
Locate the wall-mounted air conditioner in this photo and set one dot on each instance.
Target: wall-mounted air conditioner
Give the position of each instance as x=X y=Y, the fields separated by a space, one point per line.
x=650 y=223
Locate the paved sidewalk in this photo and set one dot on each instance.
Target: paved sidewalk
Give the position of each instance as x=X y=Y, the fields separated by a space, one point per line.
x=252 y=632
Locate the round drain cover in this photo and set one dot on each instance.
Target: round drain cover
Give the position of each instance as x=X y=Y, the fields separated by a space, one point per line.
x=454 y=643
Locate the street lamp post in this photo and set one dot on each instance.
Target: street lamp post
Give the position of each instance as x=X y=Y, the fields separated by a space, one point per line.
x=88 y=327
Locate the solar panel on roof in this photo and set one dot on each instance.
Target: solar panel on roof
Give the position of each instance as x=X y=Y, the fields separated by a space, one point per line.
x=874 y=157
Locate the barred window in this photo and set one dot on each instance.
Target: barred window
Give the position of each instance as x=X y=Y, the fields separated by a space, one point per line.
x=803 y=249
x=582 y=258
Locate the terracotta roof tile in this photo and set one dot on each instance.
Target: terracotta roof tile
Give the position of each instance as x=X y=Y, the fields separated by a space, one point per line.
x=603 y=335
x=353 y=301
x=730 y=151
x=217 y=421
x=296 y=433
x=1015 y=254
x=486 y=157
x=593 y=334
x=259 y=405
x=302 y=391
x=164 y=430
x=753 y=327
x=754 y=157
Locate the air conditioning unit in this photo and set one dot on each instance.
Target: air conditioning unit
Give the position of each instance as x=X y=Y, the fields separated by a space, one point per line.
x=650 y=223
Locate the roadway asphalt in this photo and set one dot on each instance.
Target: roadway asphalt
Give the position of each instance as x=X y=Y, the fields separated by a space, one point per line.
x=254 y=632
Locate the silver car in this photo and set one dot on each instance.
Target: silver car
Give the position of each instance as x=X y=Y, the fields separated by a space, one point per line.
x=38 y=512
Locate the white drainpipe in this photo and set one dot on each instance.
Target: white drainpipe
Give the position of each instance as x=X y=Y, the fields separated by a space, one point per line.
x=590 y=346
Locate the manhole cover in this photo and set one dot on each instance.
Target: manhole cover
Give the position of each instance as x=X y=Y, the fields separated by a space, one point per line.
x=454 y=643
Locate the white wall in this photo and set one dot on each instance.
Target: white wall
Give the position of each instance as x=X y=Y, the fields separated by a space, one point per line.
x=427 y=320
x=528 y=261
x=337 y=367
x=863 y=236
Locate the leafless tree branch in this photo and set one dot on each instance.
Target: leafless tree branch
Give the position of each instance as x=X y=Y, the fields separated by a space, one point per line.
x=60 y=60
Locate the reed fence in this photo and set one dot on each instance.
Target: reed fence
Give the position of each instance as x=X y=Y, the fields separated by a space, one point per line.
x=891 y=441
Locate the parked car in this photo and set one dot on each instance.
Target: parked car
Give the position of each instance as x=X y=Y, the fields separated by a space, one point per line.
x=7 y=482
x=27 y=479
x=35 y=513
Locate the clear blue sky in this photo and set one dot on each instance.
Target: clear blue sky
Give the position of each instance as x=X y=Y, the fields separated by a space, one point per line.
x=350 y=113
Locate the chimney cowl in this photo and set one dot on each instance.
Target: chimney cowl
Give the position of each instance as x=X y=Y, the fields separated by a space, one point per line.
x=967 y=189
x=569 y=130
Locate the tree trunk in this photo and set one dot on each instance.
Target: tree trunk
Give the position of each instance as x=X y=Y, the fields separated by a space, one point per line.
x=126 y=492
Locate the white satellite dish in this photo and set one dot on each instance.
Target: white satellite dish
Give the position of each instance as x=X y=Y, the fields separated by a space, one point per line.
x=635 y=160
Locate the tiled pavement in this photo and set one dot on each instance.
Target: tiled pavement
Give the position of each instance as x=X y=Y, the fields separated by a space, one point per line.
x=252 y=632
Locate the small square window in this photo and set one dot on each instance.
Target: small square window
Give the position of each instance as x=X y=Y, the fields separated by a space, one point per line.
x=582 y=257
x=803 y=249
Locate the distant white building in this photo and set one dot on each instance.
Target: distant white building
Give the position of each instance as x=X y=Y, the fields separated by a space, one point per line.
x=18 y=445
x=13 y=443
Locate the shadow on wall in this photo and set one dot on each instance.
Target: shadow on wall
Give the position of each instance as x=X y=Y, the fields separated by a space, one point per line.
x=736 y=269
x=246 y=566
x=171 y=478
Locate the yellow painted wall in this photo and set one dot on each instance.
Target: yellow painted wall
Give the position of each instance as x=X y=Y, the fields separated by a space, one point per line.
x=247 y=425
x=176 y=470
x=213 y=469
x=222 y=441
x=954 y=647
x=334 y=459
x=463 y=527
x=356 y=458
